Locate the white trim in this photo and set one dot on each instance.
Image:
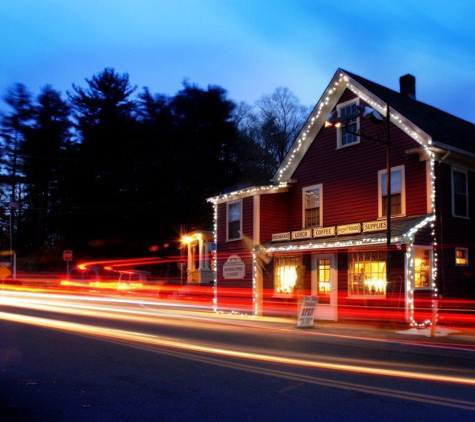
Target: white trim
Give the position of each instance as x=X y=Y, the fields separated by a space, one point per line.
x=318 y=186
x=459 y=170
x=429 y=187
x=326 y=311
x=245 y=193
x=403 y=191
x=256 y=235
x=325 y=105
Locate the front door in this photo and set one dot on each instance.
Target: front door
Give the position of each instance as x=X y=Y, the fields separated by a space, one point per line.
x=324 y=286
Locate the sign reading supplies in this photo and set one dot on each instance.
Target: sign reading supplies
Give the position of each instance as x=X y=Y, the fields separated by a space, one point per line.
x=234 y=267
x=307 y=312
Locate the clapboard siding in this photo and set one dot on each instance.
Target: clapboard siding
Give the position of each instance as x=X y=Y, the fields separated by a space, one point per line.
x=274 y=215
x=349 y=177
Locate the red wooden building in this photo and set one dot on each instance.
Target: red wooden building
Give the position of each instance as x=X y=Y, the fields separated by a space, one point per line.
x=321 y=227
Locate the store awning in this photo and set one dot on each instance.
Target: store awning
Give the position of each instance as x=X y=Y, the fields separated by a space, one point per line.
x=402 y=229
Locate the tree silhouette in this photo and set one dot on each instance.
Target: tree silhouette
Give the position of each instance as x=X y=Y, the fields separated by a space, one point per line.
x=109 y=175
x=281 y=116
x=42 y=151
x=105 y=123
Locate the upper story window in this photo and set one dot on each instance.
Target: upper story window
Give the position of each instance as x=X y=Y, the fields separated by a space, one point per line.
x=398 y=196
x=345 y=138
x=234 y=220
x=459 y=193
x=312 y=206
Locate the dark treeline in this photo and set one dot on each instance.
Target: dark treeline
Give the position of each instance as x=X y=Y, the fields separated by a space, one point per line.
x=110 y=171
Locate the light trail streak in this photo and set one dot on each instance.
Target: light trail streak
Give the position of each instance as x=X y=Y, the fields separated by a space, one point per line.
x=151 y=314
x=158 y=341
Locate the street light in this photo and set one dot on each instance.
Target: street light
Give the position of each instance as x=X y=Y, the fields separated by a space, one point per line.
x=375 y=118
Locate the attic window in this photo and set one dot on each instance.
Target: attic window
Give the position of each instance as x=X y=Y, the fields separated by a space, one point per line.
x=344 y=138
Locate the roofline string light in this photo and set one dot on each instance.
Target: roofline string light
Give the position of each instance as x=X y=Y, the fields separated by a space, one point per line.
x=411 y=260
x=255 y=190
x=372 y=101
x=423 y=139
x=215 y=257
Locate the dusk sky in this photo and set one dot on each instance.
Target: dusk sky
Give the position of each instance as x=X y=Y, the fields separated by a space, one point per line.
x=248 y=47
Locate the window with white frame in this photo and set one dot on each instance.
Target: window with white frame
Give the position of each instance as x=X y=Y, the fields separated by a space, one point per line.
x=461 y=256
x=459 y=193
x=422 y=267
x=285 y=273
x=344 y=138
x=398 y=197
x=234 y=220
x=367 y=273
x=312 y=206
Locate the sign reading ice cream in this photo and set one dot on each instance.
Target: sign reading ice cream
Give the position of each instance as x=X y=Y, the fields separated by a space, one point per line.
x=234 y=268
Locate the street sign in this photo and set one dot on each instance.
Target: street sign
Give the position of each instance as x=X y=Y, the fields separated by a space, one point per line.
x=4 y=272
x=68 y=255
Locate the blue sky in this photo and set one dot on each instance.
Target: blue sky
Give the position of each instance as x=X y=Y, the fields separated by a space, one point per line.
x=248 y=47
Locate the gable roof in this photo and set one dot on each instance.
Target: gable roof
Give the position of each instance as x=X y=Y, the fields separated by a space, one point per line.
x=444 y=128
x=427 y=125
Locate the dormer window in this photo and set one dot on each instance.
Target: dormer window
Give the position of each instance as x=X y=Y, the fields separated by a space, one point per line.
x=344 y=138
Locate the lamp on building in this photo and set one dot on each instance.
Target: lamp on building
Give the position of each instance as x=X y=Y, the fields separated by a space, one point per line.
x=375 y=118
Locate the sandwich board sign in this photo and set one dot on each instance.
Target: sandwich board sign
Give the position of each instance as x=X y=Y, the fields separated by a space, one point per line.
x=307 y=312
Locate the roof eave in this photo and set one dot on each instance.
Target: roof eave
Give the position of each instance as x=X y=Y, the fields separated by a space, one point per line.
x=323 y=108
x=251 y=191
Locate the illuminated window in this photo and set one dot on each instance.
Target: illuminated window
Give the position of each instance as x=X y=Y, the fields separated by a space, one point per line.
x=422 y=267
x=459 y=193
x=312 y=198
x=367 y=273
x=323 y=280
x=461 y=256
x=234 y=212
x=398 y=200
x=345 y=138
x=285 y=273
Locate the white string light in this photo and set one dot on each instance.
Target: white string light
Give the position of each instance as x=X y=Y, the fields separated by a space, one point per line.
x=341 y=82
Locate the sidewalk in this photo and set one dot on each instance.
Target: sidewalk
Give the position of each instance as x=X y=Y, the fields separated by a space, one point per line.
x=454 y=335
x=463 y=336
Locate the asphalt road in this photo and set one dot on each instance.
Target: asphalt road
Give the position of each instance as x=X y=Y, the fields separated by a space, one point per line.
x=136 y=361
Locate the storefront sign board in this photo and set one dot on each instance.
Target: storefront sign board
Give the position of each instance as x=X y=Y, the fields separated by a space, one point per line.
x=280 y=236
x=307 y=312
x=324 y=231
x=375 y=226
x=349 y=229
x=302 y=234
x=234 y=268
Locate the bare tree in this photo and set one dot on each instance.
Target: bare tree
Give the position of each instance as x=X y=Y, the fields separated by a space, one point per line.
x=281 y=117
